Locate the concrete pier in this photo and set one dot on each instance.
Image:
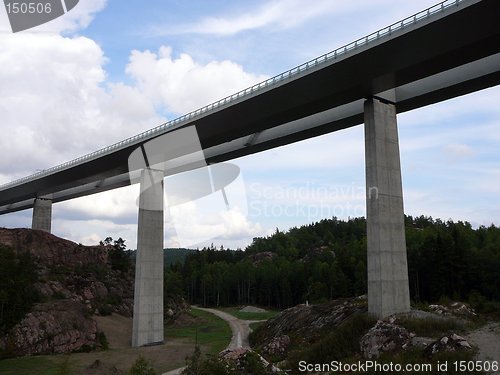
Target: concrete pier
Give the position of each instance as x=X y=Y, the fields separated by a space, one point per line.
x=148 y=296
x=42 y=214
x=388 y=287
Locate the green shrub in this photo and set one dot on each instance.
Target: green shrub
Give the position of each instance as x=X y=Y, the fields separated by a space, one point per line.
x=142 y=367
x=103 y=340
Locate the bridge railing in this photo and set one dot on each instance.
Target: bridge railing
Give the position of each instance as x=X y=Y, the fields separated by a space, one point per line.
x=273 y=81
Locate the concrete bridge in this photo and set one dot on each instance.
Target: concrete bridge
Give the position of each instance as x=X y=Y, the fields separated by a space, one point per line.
x=445 y=51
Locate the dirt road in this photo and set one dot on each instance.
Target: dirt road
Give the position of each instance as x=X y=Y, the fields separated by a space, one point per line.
x=487 y=339
x=239 y=328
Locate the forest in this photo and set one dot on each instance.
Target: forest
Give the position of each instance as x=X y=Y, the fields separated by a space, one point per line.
x=327 y=259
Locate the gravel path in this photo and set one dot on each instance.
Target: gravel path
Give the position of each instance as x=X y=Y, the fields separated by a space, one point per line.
x=239 y=328
x=487 y=339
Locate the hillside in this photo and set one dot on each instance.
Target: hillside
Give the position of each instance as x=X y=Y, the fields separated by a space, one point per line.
x=51 y=288
x=327 y=260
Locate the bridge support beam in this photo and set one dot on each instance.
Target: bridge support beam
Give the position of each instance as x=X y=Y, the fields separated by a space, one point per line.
x=388 y=287
x=148 y=296
x=42 y=214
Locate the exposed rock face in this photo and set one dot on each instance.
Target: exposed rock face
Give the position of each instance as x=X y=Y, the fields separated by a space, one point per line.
x=449 y=343
x=385 y=336
x=304 y=324
x=71 y=271
x=59 y=327
x=262 y=257
x=46 y=248
x=75 y=281
x=278 y=345
x=177 y=313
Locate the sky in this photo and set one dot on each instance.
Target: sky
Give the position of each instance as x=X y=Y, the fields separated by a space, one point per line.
x=110 y=69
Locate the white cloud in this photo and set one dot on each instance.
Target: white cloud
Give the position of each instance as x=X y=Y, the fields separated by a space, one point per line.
x=281 y=13
x=181 y=84
x=277 y=14
x=118 y=204
x=90 y=232
x=55 y=101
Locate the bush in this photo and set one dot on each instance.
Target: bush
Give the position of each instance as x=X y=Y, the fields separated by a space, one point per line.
x=103 y=340
x=105 y=309
x=249 y=365
x=142 y=367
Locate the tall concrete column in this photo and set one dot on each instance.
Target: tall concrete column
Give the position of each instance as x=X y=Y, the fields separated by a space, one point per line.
x=388 y=287
x=42 y=214
x=148 y=296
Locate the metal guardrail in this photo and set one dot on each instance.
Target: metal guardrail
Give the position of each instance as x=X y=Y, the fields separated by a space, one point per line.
x=278 y=79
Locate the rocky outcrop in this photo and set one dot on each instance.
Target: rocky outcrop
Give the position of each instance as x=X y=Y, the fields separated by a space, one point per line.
x=59 y=327
x=277 y=346
x=177 y=312
x=449 y=343
x=303 y=324
x=265 y=256
x=457 y=309
x=51 y=251
x=74 y=282
x=385 y=336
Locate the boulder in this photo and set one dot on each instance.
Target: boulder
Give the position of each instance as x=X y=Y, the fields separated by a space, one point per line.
x=277 y=346
x=449 y=343
x=385 y=336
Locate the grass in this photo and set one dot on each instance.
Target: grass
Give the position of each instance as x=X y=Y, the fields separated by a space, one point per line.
x=40 y=365
x=212 y=333
x=434 y=327
x=235 y=311
x=254 y=326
